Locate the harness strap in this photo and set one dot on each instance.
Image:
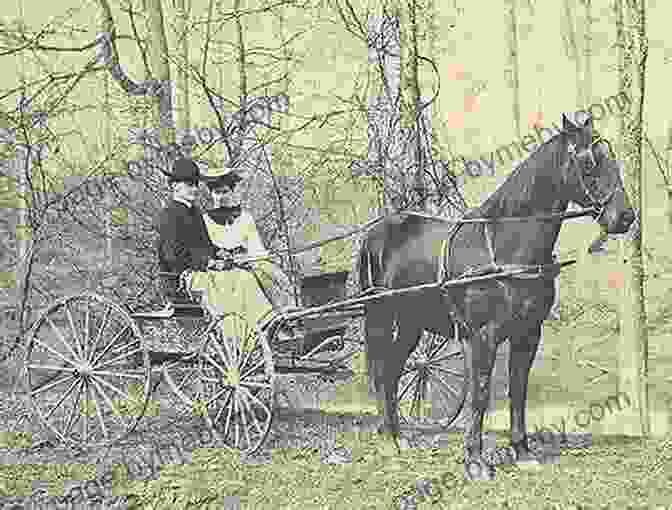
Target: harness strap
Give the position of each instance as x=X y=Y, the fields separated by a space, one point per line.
x=443 y=259
x=551 y=270
x=488 y=242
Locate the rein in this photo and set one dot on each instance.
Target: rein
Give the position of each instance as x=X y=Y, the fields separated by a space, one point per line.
x=539 y=217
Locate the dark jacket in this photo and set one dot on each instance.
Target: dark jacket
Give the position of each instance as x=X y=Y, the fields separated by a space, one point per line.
x=183 y=239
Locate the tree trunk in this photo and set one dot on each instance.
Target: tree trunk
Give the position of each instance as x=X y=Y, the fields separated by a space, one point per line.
x=573 y=51
x=633 y=349
x=418 y=187
x=514 y=62
x=669 y=206
x=158 y=61
x=184 y=110
x=23 y=230
x=668 y=166
x=587 y=51
x=111 y=244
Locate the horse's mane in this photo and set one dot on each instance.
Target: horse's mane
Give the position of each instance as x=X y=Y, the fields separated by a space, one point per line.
x=516 y=196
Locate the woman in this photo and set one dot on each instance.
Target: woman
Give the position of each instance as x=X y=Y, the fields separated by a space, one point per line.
x=232 y=230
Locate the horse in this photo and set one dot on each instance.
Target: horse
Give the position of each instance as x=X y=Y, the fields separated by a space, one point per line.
x=407 y=249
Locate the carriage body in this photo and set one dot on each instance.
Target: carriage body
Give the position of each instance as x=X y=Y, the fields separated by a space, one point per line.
x=92 y=366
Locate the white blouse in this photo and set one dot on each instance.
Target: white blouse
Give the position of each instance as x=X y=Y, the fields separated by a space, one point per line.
x=242 y=232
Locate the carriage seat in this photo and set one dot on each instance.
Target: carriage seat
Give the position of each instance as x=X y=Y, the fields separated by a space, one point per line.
x=176 y=298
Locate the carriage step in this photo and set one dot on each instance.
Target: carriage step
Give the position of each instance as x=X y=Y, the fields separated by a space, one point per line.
x=165 y=313
x=337 y=373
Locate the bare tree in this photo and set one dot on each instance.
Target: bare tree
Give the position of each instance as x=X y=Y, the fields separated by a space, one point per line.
x=588 y=49
x=633 y=349
x=400 y=159
x=514 y=60
x=573 y=51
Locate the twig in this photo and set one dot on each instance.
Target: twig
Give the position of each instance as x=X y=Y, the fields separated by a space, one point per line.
x=661 y=166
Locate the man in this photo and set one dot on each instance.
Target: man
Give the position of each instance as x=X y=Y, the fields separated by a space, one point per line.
x=183 y=238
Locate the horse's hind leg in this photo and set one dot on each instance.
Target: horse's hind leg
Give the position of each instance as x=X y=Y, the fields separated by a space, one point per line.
x=378 y=327
x=480 y=352
x=522 y=353
x=407 y=339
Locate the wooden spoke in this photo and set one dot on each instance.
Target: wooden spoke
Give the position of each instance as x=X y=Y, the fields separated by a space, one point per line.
x=453 y=373
x=56 y=353
x=456 y=392
x=248 y=409
x=49 y=386
x=243 y=418
x=122 y=395
x=77 y=341
x=217 y=395
x=261 y=364
x=75 y=412
x=87 y=331
x=402 y=392
x=229 y=405
x=101 y=330
x=450 y=358
x=63 y=397
x=268 y=411
x=110 y=344
x=52 y=367
x=234 y=378
x=121 y=375
x=99 y=415
x=55 y=357
x=116 y=360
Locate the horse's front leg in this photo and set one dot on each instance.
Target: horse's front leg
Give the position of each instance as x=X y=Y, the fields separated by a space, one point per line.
x=523 y=350
x=480 y=352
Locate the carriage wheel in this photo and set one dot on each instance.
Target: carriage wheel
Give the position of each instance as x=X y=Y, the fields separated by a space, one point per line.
x=432 y=388
x=233 y=379
x=86 y=373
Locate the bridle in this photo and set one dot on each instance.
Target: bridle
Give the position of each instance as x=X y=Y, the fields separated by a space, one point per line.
x=577 y=157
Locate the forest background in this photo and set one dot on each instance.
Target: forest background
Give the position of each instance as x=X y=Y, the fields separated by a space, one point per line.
x=85 y=220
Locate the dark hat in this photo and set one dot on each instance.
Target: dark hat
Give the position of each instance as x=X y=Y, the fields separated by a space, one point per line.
x=222 y=177
x=185 y=170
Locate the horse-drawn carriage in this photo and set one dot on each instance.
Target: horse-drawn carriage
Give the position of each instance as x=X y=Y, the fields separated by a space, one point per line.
x=473 y=283
x=92 y=366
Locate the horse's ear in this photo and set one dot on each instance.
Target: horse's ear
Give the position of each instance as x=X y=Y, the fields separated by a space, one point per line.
x=567 y=125
x=588 y=124
x=601 y=150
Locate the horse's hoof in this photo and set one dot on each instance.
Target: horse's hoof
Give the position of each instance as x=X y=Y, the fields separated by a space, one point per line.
x=527 y=460
x=478 y=471
x=405 y=443
x=387 y=448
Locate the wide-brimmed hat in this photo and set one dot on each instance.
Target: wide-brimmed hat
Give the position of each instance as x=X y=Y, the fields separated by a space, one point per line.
x=224 y=176
x=185 y=170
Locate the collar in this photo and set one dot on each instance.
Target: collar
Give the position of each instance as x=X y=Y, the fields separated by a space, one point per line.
x=225 y=215
x=183 y=202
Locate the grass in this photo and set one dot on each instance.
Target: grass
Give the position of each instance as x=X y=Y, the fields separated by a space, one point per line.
x=620 y=471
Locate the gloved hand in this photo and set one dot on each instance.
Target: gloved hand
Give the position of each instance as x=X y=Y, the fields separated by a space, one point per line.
x=247 y=266
x=225 y=265
x=220 y=264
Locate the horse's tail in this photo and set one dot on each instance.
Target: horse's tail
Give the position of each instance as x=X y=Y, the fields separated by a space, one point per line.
x=378 y=333
x=370 y=268
x=370 y=272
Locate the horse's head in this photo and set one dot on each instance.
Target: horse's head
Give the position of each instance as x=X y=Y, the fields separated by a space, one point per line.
x=594 y=177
